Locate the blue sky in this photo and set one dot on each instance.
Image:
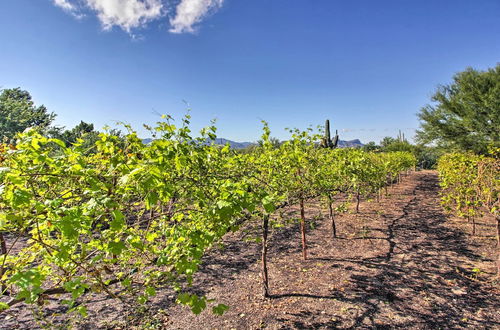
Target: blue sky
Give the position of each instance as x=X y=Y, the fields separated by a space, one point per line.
x=368 y=66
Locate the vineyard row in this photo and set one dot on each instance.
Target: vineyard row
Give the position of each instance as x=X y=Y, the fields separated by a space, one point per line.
x=125 y=218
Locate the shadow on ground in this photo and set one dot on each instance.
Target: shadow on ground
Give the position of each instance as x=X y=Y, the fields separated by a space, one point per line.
x=422 y=279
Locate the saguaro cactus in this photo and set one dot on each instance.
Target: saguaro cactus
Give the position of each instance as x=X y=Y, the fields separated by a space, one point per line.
x=336 y=139
x=327 y=141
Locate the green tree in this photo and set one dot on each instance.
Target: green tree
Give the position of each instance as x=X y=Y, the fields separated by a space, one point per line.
x=387 y=141
x=83 y=134
x=18 y=112
x=370 y=146
x=83 y=131
x=465 y=115
x=389 y=144
x=275 y=142
x=427 y=156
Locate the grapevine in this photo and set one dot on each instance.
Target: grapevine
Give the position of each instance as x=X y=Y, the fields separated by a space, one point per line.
x=127 y=218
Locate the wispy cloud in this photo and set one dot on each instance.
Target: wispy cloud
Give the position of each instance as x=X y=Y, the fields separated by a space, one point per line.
x=65 y=4
x=127 y=14
x=70 y=8
x=132 y=14
x=190 y=12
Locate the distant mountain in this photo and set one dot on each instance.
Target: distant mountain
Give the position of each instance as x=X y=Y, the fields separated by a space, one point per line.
x=350 y=144
x=233 y=144
x=218 y=141
x=356 y=143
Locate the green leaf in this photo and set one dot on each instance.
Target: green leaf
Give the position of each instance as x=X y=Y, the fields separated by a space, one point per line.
x=68 y=226
x=21 y=198
x=142 y=299
x=220 y=309
x=150 y=291
x=184 y=298
x=151 y=199
x=82 y=310
x=3 y=306
x=58 y=142
x=118 y=221
x=268 y=204
x=126 y=282
x=116 y=247
x=197 y=304
x=34 y=144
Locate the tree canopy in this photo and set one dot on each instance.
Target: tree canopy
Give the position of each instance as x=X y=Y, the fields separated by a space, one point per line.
x=18 y=112
x=465 y=114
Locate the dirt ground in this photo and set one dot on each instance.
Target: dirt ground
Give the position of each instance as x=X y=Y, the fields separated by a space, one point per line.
x=400 y=263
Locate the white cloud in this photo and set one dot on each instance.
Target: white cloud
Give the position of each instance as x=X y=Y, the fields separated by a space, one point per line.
x=131 y=14
x=65 y=4
x=127 y=14
x=70 y=8
x=190 y=12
